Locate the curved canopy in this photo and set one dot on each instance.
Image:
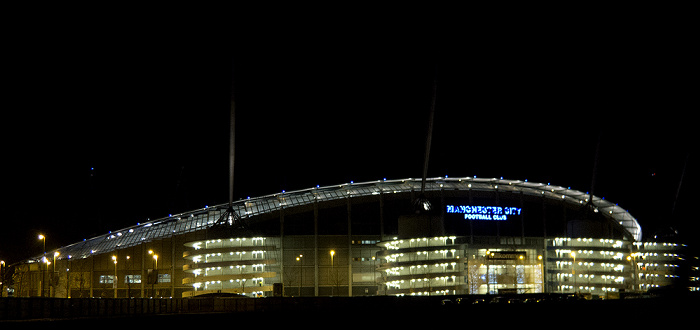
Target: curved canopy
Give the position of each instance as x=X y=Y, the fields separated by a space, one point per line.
x=205 y=217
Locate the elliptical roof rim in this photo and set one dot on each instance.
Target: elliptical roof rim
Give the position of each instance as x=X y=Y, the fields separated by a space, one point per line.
x=633 y=228
x=623 y=218
x=598 y=202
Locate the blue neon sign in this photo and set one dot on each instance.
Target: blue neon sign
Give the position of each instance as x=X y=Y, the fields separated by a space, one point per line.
x=497 y=213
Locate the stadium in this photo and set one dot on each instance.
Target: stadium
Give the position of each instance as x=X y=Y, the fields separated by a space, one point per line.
x=460 y=236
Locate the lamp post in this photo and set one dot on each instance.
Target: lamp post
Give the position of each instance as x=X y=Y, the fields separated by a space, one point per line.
x=573 y=269
x=43 y=238
x=541 y=272
x=114 y=283
x=2 y=277
x=155 y=280
x=54 y=274
x=333 y=272
x=374 y=275
x=301 y=272
x=128 y=278
x=43 y=274
x=55 y=254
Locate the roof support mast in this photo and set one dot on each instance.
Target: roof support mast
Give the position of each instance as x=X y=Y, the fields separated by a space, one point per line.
x=429 y=138
x=232 y=146
x=230 y=216
x=421 y=204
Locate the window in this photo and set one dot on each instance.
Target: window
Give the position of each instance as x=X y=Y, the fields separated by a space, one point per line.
x=365 y=242
x=163 y=278
x=106 y=279
x=132 y=279
x=363 y=259
x=258 y=254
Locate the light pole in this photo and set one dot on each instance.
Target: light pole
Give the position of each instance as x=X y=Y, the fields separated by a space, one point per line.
x=374 y=275
x=155 y=280
x=114 y=283
x=155 y=271
x=573 y=269
x=333 y=272
x=43 y=238
x=55 y=254
x=301 y=272
x=43 y=273
x=2 y=277
x=54 y=274
x=128 y=278
x=542 y=272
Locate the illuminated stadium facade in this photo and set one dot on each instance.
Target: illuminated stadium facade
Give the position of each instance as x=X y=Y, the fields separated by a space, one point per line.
x=469 y=236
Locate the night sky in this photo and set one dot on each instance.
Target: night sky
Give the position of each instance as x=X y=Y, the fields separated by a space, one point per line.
x=103 y=128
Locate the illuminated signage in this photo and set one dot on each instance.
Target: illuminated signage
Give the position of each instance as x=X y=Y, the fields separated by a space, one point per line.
x=471 y=212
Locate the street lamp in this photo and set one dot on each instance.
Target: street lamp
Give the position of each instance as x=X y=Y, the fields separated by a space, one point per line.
x=53 y=273
x=301 y=272
x=155 y=280
x=155 y=257
x=2 y=276
x=335 y=278
x=114 y=283
x=573 y=269
x=43 y=273
x=128 y=278
x=374 y=274
x=43 y=238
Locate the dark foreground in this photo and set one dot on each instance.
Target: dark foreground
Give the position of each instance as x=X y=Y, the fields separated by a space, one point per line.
x=430 y=312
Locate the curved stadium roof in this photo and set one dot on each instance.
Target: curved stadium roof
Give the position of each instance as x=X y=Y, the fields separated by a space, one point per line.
x=205 y=217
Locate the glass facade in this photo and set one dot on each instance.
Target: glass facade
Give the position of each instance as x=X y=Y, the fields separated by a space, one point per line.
x=499 y=271
x=446 y=265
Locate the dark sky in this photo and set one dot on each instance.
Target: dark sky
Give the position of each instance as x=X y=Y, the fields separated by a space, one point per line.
x=104 y=127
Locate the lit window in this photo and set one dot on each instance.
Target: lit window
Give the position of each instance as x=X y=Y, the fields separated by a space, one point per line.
x=163 y=278
x=106 y=279
x=132 y=279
